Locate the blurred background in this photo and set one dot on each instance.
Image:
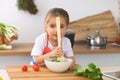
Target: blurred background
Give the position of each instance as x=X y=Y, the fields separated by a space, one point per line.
x=32 y=25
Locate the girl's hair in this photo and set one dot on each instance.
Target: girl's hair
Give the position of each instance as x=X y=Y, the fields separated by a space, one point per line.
x=57 y=12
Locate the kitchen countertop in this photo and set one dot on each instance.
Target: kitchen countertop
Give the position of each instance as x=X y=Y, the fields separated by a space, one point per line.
x=78 y=48
x=15 y=73
x=18 y=49
x=5 y=76
x=82 y=48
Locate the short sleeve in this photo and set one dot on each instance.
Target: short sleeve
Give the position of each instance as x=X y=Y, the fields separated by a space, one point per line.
x=66 y=44
x=39 y=45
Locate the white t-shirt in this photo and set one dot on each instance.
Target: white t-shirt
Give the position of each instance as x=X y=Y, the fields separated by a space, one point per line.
x=41 y=42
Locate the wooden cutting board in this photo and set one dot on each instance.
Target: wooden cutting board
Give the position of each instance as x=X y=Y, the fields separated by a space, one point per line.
x=103 y=21
x=15 y=73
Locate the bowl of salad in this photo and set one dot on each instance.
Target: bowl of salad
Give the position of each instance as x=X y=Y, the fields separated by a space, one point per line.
x=55 y=65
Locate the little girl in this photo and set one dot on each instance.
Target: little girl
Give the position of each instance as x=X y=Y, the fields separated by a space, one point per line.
x=46 y=44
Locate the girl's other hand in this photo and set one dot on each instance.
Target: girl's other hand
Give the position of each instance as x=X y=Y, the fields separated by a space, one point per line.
x=73 y=66
x=57 y=52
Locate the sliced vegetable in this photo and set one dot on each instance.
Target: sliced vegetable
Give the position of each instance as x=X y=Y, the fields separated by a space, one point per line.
x=8 y=31
x=1 y=78
x=4 y=47
x=91 y=72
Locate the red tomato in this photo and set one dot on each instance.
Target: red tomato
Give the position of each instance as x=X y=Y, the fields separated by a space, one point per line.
x=35 y=67
x=24 y=68
x=117 y=40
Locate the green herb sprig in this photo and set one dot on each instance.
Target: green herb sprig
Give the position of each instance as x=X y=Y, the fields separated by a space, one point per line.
x=92 y=72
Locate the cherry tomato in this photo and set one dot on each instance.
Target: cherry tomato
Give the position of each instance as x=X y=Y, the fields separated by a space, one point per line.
x=24 y=68
x=35 y=67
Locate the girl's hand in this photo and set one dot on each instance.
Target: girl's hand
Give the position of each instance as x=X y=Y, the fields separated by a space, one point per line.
x=56 y=52
x=73 y=66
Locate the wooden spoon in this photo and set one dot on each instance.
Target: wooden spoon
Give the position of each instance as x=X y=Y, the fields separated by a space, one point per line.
x=61 y=59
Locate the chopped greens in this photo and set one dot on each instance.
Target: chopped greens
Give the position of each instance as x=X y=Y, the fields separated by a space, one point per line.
x=91 y=72
x=55 y=60
x=61 y=59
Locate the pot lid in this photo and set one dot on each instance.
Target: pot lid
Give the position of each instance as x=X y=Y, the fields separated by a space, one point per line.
x=95 y=35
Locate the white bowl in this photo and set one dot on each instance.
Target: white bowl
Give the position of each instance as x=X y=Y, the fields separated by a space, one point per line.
x=58 y=66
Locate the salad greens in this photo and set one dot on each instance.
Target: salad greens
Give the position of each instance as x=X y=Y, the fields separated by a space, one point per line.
x=8 y=31
x=91 y=72
x=55 y=60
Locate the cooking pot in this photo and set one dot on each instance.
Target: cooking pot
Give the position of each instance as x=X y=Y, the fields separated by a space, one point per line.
x=96 y=41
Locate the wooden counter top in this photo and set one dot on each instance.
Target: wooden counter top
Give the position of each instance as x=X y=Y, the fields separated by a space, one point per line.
x=15 y=73
x=78 y=48
x=18 y=49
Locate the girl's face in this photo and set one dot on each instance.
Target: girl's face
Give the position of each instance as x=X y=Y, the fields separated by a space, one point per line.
x=51 y=27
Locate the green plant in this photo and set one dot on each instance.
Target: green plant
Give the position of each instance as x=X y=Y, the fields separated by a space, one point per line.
x=91 y=72
x=27 y=5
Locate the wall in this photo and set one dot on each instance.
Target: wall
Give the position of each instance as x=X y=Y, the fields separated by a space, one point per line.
x=32 y=25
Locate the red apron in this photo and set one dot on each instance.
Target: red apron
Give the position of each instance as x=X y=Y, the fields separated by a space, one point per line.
x=46 y=49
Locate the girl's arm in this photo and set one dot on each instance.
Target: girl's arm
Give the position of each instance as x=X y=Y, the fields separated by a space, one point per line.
x=55 y=53
x=73 y=66
x=40 y=59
